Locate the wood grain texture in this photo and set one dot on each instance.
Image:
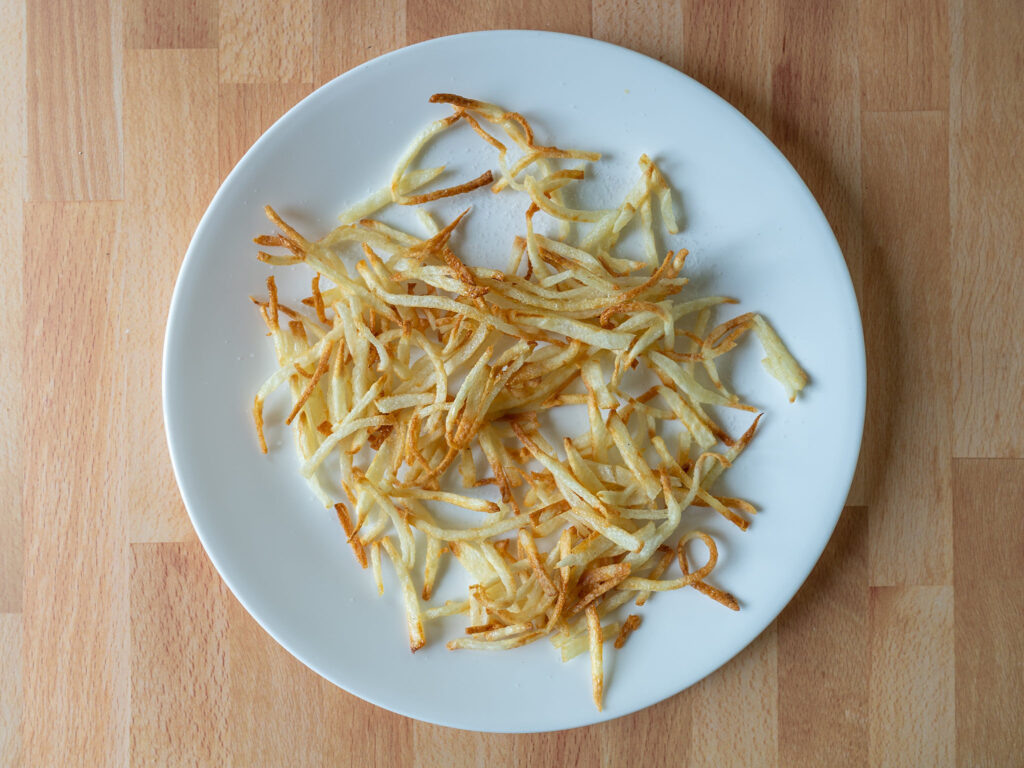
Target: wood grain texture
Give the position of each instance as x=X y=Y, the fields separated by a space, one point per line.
x=73 y=84
x=425 y=19
x=987 y=168
x=12 y=321
x=349 y=33
x=912 y=667
x=360 y=734
x=904 y=54
x=431 y=742
x=284 y=714
x=244 y=112
x=574 y=749
x=75 y=620
x=725 y=735
x=823 y=652
x=906 y=324
x=162 y=24
x=655 y=29
x=266 y=42
x=161 y=207
x=10 y=690
x=664 y=730
x=903 y=648
x=179 y=659
x=728 y=56
x=989 y=586
x=264 y=677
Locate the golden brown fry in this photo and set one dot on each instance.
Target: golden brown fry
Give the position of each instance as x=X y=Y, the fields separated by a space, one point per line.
x=483 y=134
x=257 y=415
x=272 y=306
x=630 y=625
x=528 y=546
x=698 y=582
x=318 y=299
x=597 y=581
x=321 y=369
x=671 y=266
x=482 y=180
x=350 y=533
x=718 y=595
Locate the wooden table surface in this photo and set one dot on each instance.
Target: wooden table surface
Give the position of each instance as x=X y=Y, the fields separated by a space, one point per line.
x=119 y=644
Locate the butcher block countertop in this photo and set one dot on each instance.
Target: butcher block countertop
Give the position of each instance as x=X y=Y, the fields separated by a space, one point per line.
x=119 y=643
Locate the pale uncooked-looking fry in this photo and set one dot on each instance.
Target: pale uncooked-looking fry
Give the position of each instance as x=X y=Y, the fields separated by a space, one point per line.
x=415 y=147
x=448 y=608
x=414 y=367
x=433 y=559
x=382 y=197
x=500 y=644
x=570 y=647
x=414 y=616
x=779 y=362
x=375 y=567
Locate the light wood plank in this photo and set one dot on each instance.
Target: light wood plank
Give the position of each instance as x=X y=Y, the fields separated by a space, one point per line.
x=907 y=442
x=10 y=691
x=160 y=24
x=74 y=100
x=655 y=29
x=904 y=54
x=912 y=667
x=726 y=733
x=662 y=730
x=988 y=535
x=347 y=34
x=573 y=749
x=727 y=54
x=163 y=137
x=266 y=42
x=362 y=734
x=823 y=652
x=75 y=629
x=987 y=169
x=988 y=529
x=246 y=111
x=12 y=323
x=266 y=678
x=425 y=19
x=483 y=750
x=179 y=661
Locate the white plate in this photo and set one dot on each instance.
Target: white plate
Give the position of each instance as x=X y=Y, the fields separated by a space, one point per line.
x=754 y=232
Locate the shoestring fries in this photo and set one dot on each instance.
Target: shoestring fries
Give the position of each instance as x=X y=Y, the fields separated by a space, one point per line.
x=409 y=368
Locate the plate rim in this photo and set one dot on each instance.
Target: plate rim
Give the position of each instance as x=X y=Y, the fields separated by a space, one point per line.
x=191 y=257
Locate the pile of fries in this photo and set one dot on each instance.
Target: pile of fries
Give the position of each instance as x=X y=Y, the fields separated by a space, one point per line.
x=411 y=369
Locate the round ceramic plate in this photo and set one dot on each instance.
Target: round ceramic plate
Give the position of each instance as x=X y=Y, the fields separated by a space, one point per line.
x=754 y=232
